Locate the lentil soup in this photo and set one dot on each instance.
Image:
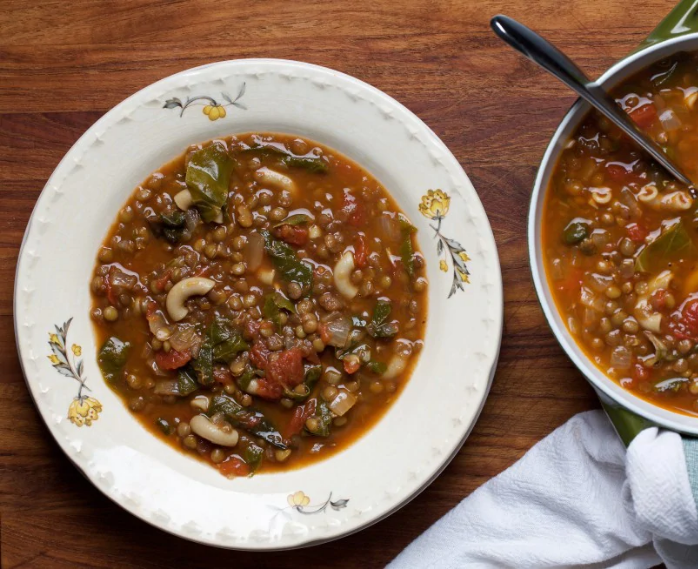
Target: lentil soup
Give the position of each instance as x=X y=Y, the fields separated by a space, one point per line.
x=259 y=302
x=620 y=239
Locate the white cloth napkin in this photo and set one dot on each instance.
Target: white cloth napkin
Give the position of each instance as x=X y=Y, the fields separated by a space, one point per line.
x=576 y=499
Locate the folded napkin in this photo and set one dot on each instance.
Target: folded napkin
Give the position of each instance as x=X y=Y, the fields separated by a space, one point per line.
x=577 y=499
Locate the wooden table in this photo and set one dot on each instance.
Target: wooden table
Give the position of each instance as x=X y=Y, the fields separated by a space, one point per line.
x=64 y=64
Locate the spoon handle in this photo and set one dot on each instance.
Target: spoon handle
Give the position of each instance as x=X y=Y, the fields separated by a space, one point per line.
x=539 y=50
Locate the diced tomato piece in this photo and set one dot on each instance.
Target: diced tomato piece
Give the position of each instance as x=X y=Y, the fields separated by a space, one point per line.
x=259 y=354
x=351 y=365
x=572 y=281
x=287 y=369
x=361 y=250
x=268 y=389
x=353 y=209
x=690 y=316
x=644 y=116
x=301 y=414
x=234 y=466
x=640 y=372
x=658 y=299
x=172 y=359
x=636 y=232
x=684 y=322
x=292 y=234
x=161 y=281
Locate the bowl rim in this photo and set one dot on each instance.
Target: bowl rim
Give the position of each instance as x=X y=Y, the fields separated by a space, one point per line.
x=616 y=73
x=496 y=295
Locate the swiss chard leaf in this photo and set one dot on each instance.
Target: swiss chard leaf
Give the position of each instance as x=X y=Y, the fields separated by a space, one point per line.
x=285 y=260
x=296 y=219
x=275 y=302
x=253 y=456
x=186 y=383
x=665 y=248
x=406 y=245
x=203 y=365
x=225 y=340
x=163 y=425
x=112 y=358
x=322 y=426
x=378 y=326
x=376 y=367
x=247 y=419
x=208 y=176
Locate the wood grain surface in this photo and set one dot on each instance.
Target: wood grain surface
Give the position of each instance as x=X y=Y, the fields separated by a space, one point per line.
x=64 y=64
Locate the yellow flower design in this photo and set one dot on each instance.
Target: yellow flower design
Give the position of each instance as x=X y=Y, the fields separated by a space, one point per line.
x=53 y=338
x=435 y=204
x=77 y=350
x=443 y=266
x=214 y=112
x=298 y=499
x=464 y=257
x=53 y=358
x=84 y=410
x=463 y=276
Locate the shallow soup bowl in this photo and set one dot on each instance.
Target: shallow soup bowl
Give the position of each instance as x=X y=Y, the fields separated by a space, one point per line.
x=395 y=459
x=628 y=412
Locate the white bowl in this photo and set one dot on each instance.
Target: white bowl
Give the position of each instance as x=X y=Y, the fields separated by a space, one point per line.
x=389 y=465
x=609 y=389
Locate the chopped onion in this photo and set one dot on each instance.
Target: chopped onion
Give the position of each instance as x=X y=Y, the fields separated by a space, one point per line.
x=185 y=338
x=338 y=328
x=342 y=403
x=598 y=282
x=557 y=270
x=591 y=300
x=590 y=316
x=389 y=229
x=254 y=249
x=621 y=358
x=669 y=120
x=628 y=198
x=166 y=387
x=118 y=278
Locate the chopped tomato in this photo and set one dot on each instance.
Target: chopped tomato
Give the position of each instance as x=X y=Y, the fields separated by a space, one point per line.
x=644 y=116
x=259 y=354
x=353 y=209
x=161 y=281
x=268 y=389
x=111 y=295
x=636 y=232
x=287 y=369
x=361 y=251
x=351 y=365
x=172 y=359
x=234 y=466
x=686 y=328
x=573 y=280
x=292 y=234
x=301 y=414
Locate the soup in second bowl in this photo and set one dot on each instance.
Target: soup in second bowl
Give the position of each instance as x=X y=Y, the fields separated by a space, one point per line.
x=620 y=239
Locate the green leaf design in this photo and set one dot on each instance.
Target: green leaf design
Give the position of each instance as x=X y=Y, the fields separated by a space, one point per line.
x=665 y=248
x=208 y=176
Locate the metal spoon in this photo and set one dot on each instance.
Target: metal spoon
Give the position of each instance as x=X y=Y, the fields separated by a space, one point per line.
x=543 y=53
